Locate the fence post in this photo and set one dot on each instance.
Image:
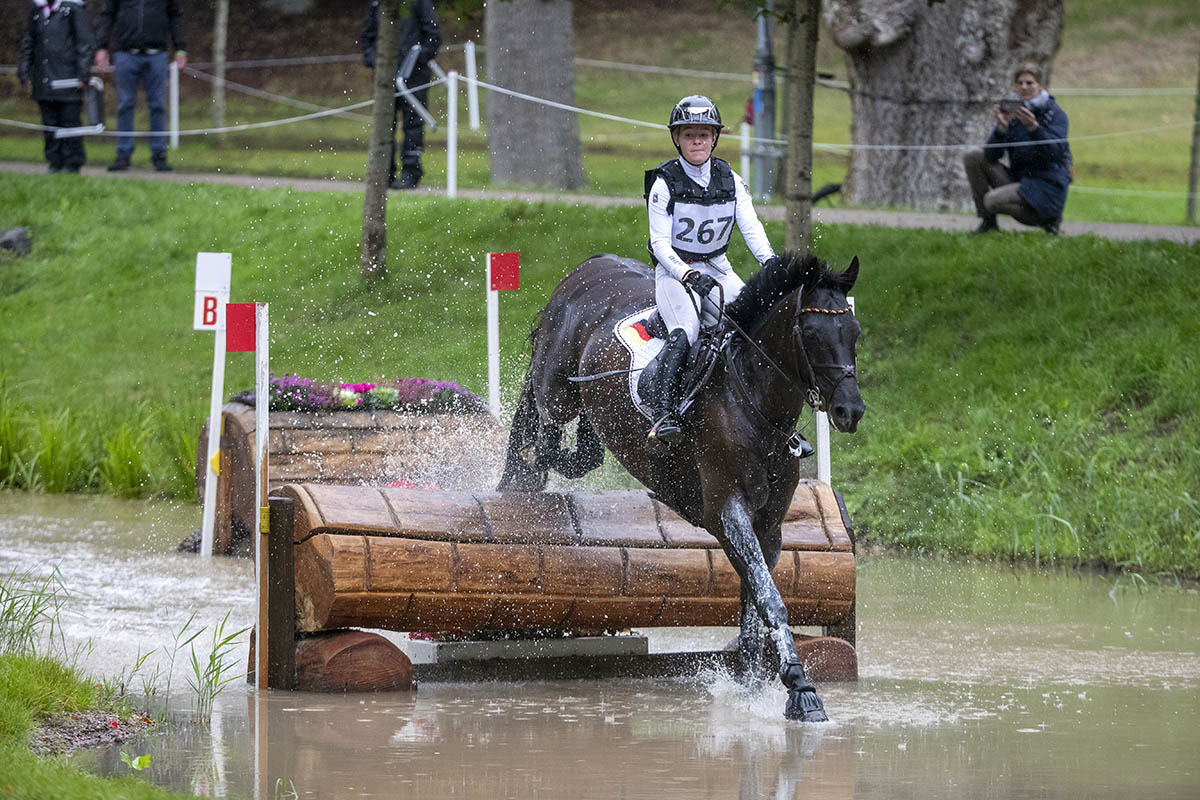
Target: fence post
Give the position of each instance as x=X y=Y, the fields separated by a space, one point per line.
x=452 y=133
x=472 y=87
x=173 y=101
x=745 y=163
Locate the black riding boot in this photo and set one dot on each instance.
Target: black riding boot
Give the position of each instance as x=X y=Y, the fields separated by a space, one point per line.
x=668 y=428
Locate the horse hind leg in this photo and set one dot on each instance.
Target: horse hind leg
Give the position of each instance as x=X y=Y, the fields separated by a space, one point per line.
x=521 y=473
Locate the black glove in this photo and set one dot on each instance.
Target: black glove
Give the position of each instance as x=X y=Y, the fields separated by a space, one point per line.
x=699 y=283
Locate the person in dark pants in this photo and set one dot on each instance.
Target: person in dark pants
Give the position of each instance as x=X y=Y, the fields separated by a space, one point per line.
x=1032 y=130
x=420 y=31
x=141 y=29
x=56 y=63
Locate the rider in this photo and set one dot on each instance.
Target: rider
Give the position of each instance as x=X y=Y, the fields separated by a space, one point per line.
x=693 y=202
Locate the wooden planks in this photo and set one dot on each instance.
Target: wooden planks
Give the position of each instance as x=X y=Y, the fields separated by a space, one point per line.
x=405 y=559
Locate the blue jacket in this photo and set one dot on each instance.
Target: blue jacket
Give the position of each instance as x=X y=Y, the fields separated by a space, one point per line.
x=1042 y=169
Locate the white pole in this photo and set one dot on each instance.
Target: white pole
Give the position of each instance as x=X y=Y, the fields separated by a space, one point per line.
x=173 y=97
x=745 y=163
x=493 y=343
x=262 y=407
x=823 y=461
x=452 y=133
x=208 y=526
x=472 y=87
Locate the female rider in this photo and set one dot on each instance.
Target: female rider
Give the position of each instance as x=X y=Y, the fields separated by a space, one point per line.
x=693 y=202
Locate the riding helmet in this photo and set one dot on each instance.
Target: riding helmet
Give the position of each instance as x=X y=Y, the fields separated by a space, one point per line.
x=696 y=109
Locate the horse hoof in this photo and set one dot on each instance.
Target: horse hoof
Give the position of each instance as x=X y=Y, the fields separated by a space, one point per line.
x=805 y=706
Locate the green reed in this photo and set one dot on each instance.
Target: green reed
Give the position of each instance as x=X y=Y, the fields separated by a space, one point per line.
x=210 y=676
x=29 y=609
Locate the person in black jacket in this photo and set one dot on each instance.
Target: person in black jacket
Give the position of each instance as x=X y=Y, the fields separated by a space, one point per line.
x=421 y=32
x=1031 y=129
x=56 y=63
x=141 y=29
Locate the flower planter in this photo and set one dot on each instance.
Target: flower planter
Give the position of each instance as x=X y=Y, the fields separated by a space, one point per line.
x=443 y=451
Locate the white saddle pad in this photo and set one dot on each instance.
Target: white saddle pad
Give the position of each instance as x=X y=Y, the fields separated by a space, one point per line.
x=642 y=349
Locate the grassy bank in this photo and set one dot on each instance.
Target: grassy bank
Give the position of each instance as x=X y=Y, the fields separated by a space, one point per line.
x=1027 y=397
x=37 y=682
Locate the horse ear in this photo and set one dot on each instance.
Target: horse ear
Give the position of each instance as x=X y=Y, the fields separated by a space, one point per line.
x=846 y=279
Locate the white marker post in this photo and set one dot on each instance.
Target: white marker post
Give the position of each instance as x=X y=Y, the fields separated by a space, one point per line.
x=213 y=275
x=173 y=103
x=824 y=461
x=472 y=87
x=451 y=134
x=503 y=273
x=247 y=330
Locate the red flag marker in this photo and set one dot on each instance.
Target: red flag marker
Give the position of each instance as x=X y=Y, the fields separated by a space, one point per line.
x=505 y=271
x=239 y=328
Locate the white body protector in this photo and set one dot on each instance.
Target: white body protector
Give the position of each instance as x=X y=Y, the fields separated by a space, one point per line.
x=692 y=212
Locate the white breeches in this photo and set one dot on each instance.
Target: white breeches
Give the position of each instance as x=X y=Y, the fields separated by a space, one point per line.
x=676 y=302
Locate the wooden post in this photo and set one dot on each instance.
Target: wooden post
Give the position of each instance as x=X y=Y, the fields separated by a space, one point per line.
x=281 y=664
x=1194 y=170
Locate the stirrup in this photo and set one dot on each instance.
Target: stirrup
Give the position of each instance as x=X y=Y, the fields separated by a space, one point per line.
x=667 y=430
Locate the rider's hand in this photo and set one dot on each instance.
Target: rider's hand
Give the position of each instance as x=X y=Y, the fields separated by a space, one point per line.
x=699 y=283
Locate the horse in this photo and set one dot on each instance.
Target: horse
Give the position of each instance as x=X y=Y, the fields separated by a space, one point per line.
x=736 y=470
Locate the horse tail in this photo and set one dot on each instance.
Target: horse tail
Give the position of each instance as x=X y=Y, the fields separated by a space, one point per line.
x=522 y=474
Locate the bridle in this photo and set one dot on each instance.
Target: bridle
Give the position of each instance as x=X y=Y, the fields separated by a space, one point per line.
x=813 y=395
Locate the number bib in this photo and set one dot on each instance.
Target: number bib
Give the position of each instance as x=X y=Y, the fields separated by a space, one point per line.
x=701 y=230
x=701 y=217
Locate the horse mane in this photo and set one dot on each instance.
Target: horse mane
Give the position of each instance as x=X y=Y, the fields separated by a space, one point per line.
x=779 y=277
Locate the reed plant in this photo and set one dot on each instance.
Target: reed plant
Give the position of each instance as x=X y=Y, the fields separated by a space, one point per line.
x=29 y=609
x=211 y=675
x=123 y=470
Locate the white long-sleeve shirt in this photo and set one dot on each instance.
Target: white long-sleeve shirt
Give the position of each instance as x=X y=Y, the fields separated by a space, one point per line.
x=744 y=216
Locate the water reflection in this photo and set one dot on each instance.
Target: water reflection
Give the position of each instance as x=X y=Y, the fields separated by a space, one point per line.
x=977 y=681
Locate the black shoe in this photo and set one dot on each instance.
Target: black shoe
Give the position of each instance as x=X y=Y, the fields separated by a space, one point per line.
x=1052 y=226
x=987 y=225
x=120 y=165
x=54 y=169
x=408 y=180
x=161 y=165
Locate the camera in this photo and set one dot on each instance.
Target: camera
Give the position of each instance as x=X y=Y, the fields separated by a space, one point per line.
x=1009 y=106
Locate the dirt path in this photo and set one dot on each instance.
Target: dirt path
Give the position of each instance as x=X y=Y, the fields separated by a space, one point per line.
x=1115 y=231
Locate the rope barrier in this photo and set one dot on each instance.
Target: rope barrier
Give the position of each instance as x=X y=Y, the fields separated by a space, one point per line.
x=263 y=95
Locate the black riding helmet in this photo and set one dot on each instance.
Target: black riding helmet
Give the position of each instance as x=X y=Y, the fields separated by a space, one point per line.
x=695 y=109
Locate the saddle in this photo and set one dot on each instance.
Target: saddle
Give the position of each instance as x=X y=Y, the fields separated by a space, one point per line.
x=644 y=335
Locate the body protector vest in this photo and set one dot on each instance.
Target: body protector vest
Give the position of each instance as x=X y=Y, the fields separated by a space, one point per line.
x=702 y=219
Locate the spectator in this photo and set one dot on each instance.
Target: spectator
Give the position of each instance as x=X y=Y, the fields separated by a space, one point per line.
x=141 y=29
x=1031 y=130
x=420 y=31
x=56 y=63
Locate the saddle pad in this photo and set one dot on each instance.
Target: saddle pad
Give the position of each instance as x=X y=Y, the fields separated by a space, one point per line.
x=642 y=348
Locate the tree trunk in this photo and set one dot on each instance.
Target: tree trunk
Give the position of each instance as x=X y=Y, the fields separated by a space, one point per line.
x=220 y=34
x=379 y=150
x=530 y=49
x=802 y=30
x=926 y=74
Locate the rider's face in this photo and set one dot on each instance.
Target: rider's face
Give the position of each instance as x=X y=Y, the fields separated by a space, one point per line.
x=696 y=142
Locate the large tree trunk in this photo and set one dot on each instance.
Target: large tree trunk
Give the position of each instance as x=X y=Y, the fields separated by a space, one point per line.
x=530 y=49
x=927 y=74
x=802 y=17
x=373 y=260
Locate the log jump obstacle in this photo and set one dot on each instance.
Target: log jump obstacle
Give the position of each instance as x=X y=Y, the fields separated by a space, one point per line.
x=349 y=557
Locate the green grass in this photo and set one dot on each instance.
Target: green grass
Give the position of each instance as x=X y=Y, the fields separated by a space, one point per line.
x=1027 y=397
x=36 y=683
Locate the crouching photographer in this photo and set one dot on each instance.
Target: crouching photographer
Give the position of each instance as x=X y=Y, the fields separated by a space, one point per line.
x=1031 y=131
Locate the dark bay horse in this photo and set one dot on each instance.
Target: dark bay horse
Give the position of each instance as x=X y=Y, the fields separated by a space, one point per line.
x=733 y=474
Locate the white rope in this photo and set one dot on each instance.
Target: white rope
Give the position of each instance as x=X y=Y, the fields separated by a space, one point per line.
x=263 y=95
x=202 y=131
x=563 y=106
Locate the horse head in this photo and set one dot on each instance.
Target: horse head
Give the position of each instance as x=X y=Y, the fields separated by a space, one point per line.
x=824 y=336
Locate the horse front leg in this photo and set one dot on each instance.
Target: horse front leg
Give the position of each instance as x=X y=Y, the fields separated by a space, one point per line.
x=745 y=553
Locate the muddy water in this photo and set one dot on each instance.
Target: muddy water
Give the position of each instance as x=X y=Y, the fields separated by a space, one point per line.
x=976 y=681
